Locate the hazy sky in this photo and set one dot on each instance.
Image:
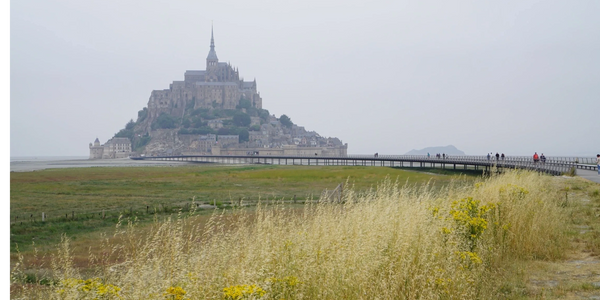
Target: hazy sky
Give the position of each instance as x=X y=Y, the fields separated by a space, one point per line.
x=383 y=76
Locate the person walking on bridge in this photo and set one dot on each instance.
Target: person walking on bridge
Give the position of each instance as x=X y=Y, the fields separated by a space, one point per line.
x=502 y=156
x=543 y=158
x=497 y=156
x=598 y=162
x=536 y=157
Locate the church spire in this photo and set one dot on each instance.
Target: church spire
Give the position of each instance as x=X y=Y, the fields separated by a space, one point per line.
x=212 y=55
x=212 y=38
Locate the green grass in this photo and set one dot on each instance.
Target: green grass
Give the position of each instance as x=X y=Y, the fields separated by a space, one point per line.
x=89 y=192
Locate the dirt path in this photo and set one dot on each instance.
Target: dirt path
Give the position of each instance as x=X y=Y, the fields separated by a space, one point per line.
x=578 y=275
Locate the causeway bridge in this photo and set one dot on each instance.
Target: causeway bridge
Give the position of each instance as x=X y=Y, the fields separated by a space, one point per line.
x=552 y=165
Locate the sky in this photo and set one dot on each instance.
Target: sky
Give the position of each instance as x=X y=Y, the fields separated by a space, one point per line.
x=383 y=76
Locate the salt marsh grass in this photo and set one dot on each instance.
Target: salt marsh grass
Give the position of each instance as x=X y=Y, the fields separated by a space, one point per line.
x=392 y=242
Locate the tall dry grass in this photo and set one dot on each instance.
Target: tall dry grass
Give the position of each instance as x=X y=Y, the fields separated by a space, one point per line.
x=394 y=242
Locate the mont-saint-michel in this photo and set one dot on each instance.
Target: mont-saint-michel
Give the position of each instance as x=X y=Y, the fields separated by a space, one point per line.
x=213 y=112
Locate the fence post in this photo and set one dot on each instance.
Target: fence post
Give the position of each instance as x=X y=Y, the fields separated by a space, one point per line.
x=103 y=214
x=43 y=217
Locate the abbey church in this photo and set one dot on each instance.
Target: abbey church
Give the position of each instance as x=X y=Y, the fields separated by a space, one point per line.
x=217 y=86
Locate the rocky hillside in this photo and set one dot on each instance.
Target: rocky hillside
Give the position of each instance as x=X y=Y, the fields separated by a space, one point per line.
x=256 y=128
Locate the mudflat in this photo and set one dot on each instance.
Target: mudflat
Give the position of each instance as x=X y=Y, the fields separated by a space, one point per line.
x=28 y=166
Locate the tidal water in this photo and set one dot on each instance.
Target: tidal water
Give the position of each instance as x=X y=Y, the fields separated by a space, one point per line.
x=45 y=158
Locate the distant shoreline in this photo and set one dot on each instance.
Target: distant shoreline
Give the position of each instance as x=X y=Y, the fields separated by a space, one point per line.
x=47 y=158
x=29 y=164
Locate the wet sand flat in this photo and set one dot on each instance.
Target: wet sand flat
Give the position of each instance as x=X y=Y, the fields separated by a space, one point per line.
x=28 y=166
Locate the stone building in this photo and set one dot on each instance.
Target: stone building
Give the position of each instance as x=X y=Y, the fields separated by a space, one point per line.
x=206 y=142
x=228 y=140
x=258 y=138
x=118 y=147
x=215 y=124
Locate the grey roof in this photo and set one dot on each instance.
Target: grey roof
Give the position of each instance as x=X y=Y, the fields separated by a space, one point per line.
x=248 y=84
x=97 y=140
x=194 y=73
x=212 y=55
x=215 y=83
x=119 y=140
x=208 y=137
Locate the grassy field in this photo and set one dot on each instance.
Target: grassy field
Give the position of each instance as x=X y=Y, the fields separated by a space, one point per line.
x=515 y=236
x=74 y=200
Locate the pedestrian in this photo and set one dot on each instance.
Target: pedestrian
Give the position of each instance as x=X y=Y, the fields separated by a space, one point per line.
x=502 y=156
x=543 y=158
x=497 y=156
x=444 y=155
x=427 y=155
x=598 y=162
x=488 y=156
x=536 y=157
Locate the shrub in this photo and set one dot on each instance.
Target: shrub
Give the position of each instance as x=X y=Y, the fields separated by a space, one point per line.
x=164 y=121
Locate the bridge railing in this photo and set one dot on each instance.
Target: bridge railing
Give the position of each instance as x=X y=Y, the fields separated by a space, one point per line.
x=580 y=161
x=555 y=167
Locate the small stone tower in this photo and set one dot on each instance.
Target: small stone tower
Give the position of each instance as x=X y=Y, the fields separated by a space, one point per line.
x=96 y=150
